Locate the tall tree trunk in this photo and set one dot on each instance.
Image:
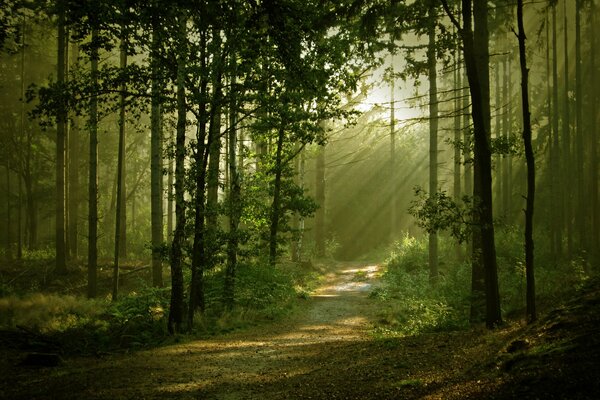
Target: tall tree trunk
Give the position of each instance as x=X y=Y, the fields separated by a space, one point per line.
x=457 y=184
x=594 y=200
x=393 y=174
x=557 y=175
x=9 y=255
x=120 y=219
x=481 y=58
x=581 y=210
x=567 y=173
x=529 y=265
x=276 y=205
x=320 y=199
x=483 y=163
x=234 y=205
x=156 y=176
x=550 y=160
x=433 y=133
x=170 y=197
x=176 y=304
x=93 y=175
x=74 y=148
x=498 y=134
x=20 y=146
x=61 y=122
x=506 y=190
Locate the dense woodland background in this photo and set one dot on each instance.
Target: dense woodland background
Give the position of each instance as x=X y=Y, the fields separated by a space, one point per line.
x=189 y=164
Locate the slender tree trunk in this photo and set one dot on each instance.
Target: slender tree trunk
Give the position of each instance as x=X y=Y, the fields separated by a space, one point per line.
x=457 y=192
x=498 y=134
x=276 y=205
x=170 y=196
x=176 y=305
x=20 y=147
x=234 y=192
x=506 y=192
x=61 y=122
x=74 y=167
x=93 y=175
x=594 y=199
x=529 y=263
x=393 y=175
x=156 y=176
x=9 y=255
x=550 y=160
x=433 y=133
x=320 y=199
x=567 y=173
x=557 y=176
x=120 y=219
x=581 y=210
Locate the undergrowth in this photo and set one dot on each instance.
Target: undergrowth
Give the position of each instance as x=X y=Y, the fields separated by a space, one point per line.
x=410 y=304
x=77 y=325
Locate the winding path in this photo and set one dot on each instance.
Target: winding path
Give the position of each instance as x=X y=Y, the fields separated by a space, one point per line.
x=279 y=360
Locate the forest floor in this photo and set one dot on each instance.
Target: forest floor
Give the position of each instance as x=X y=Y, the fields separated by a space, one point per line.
x=327 y=350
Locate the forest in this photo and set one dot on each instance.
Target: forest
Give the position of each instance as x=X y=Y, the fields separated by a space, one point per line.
x=271 y=199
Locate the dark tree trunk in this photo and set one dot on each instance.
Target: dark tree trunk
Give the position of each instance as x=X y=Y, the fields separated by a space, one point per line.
x=93 y=176
x=557 y=176
x=276 y=205
x=566 y=140
x=594 y=200
x=481 y=58
x=156 y=176
x=320 y=199
x=484 y=164
x=61 y=122
x=234 y=205
x=433 y=133
x=581 y=212
x=120 y=218
x=176 y=304
x=529 y=265
x=74 y=167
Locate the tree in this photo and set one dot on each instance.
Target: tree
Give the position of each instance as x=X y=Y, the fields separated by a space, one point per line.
x=156 y=176
x=92 y=256
x=482 y=161
x=530 y=198
x=433 y=131
x=176 y=304
x=61 y=123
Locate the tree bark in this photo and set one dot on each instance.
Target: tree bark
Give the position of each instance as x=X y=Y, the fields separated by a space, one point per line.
x=558 y=219
x=530 y=199
x=74 y=148
x=433 y=133
x=234 y=192
x=93 y=175
x=176 y=304
x=320 y=199
x=156 y=176
x=594 y=200
x=276 y=204
x=120 y=218
x=61 y=122
x=582 y=211
x=566 y=128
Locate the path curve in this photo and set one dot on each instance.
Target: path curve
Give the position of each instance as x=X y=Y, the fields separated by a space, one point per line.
x=265 y=362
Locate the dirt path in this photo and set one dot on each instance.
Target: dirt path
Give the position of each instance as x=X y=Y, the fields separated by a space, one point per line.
x=326 y=351
x=264 y=362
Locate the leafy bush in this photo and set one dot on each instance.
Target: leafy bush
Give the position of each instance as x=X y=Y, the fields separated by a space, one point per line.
x=411 y=305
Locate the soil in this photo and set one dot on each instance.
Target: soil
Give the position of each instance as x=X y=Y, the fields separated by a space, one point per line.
x=327 y=351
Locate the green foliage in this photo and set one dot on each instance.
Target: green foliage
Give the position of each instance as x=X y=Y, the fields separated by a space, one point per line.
x=440 y=212
x=411 y=305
